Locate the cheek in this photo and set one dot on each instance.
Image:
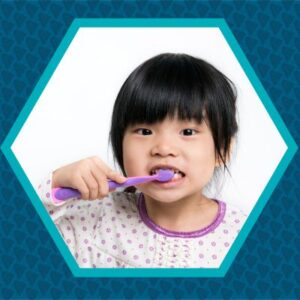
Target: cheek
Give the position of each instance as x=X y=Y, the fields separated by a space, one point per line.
x=210 y=150
x=133 y=158
x=130 y=164
x=204 y=151
x=128 y=154
x=203 y=158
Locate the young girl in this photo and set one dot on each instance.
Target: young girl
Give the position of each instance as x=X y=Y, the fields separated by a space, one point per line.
x=177 y=112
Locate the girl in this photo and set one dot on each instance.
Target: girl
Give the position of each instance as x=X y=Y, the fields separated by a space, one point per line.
x=174 y=111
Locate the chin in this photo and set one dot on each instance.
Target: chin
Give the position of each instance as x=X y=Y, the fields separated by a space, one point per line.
x=165 y=196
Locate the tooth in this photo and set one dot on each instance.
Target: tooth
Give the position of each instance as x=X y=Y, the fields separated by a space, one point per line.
x=176 y=171
x=176 y=176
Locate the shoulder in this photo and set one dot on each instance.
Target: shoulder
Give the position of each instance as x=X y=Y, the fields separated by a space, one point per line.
x=233 y=217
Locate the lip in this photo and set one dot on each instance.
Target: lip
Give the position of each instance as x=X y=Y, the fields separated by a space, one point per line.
x=174 y=183
x=169 y=184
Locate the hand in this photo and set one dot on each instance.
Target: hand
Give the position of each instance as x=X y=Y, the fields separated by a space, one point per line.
x=88 y=175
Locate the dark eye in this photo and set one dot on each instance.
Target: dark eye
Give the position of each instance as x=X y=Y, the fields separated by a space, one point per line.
x=143 y=131
x=189 y=131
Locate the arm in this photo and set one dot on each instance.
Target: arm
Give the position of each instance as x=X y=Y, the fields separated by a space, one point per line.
x=76 y=219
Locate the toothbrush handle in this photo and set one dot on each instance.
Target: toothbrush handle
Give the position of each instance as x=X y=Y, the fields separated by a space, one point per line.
x=65 y=193
x=62 y=194
x=130 y=181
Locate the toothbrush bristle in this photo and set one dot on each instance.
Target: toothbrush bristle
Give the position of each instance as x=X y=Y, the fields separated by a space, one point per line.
x=165 y=175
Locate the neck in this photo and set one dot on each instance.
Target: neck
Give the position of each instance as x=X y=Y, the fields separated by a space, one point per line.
x=187 y=214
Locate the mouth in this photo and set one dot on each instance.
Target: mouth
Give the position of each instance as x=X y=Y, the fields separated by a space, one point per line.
x=178 y=174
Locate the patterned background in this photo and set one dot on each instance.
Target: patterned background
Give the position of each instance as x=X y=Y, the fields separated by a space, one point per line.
x=267 y=266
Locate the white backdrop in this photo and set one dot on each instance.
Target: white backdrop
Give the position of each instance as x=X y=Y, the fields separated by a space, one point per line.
x=71 y=119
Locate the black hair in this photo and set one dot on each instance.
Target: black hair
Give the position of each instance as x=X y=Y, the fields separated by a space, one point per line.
x=176 y=85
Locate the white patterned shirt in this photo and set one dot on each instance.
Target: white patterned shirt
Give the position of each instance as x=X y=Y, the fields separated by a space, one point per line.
x=117 y=232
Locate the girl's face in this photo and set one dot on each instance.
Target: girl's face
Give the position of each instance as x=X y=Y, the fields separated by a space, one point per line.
x=187 y=147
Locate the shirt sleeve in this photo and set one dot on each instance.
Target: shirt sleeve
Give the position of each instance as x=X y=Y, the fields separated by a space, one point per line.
x=55 y=210
x=76 y=219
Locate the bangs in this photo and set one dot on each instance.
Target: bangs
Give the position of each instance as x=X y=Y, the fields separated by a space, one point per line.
x=169 y=88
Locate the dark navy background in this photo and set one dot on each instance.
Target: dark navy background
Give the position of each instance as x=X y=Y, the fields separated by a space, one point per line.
x=267 y=266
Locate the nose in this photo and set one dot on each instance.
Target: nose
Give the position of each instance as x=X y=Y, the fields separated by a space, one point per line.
x=164 y=147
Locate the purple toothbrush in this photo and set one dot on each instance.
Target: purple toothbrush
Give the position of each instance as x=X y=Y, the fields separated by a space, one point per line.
x=163 y=175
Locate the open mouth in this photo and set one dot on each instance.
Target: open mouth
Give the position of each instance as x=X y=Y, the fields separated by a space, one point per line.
x=177 y=173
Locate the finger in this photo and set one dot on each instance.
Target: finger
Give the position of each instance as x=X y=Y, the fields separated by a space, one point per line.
x=96 y=161
x=103 y=189
x=82 y=187
x=115 y=176
x=92 y=185
x=109 y=173
x=102 y=182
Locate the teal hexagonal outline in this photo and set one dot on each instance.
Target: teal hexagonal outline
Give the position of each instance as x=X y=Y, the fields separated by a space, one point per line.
x=147 y=272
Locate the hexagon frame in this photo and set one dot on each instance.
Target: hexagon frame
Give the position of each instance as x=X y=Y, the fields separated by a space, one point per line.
x=149 y=272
